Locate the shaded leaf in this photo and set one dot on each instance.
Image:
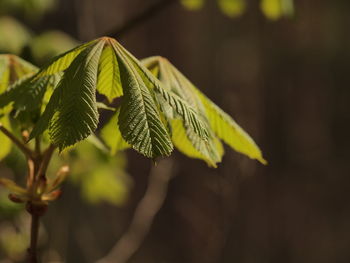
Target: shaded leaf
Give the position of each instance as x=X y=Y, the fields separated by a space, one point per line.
x=77 y=116
x=139 y=120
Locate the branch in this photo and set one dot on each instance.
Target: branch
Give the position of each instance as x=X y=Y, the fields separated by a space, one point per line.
x=140 y=18
x=28 y=152
x=144 y=214
x=46 y=160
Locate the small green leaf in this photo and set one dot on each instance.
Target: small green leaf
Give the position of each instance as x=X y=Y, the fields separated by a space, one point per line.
x=111 y=135
x=44 y=121
x=109 y=83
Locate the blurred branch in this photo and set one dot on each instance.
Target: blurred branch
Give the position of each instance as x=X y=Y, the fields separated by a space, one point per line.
x=145 y=212
x=140 y=18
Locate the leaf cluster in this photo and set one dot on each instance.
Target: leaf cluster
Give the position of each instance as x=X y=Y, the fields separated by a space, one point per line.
x=160 y=108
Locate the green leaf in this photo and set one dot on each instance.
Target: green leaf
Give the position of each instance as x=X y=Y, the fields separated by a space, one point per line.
x=5 y=142
x=63 y=61
x=111 y=135
x=44 y=121
x=77 y=116
x=217 y=122
x=229 y=131
x=109 y=83
x=139 y=119
x=232 y=8
x=13 y=68
x=180 y=106
x=191 y=145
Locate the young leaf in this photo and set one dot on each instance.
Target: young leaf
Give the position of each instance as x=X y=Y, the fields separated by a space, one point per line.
x=5 y=143
x=44 y=121
x=191 y=145
x=111 y=135
x=77 y=116
x=139 y=120
x=180 y=106
x=109 y=83
x=222 y=125
x=63 y=61
x=229 y=131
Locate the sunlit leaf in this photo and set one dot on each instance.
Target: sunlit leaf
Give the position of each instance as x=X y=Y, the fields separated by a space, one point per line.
x=109 y=83
x=221 y=124
x=5 y=143
x=111 y=135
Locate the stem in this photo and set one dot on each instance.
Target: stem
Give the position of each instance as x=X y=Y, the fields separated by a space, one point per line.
x=28 y=152
x=34 y=232
x=46 y=160
x=140 y=18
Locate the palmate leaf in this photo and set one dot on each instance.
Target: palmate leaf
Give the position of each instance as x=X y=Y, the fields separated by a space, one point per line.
x=221 y=124
x=71 y=114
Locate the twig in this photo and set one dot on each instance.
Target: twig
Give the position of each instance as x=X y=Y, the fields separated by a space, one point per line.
x=144 y=214
x=140 y=18
x=28 y=152
x=46 y=160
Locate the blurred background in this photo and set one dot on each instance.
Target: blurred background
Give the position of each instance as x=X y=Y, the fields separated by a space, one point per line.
x=279 y=67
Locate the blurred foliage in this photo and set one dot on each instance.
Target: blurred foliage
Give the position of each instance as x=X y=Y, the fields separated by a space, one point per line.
x=14 y=237
x=14 y=35
x=232 y=8
x=102 y=177
x=32 y=9
x=50 y=44
x=272 y=9
x=192 y=4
